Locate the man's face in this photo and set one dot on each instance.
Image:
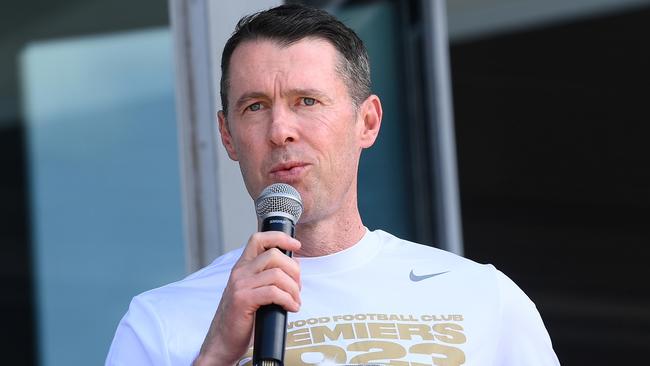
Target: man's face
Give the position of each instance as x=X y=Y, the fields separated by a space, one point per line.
x=291 y=120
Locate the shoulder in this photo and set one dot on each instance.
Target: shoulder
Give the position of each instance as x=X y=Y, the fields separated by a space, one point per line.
x=144 y=335
x=523 y=338
x=419 y=254
x=466 y=273
x=163 y=307
x=520 y=332
x=209 y=279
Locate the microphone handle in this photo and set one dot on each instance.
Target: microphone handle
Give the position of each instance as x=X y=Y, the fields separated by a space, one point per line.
x=271 y=320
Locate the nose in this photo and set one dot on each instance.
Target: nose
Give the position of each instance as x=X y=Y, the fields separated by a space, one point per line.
x=283 y=127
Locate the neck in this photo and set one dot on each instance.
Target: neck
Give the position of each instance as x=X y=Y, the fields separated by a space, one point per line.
x=331 y=234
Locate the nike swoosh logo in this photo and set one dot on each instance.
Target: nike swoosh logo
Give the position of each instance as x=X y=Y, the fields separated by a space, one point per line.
x=416 y=278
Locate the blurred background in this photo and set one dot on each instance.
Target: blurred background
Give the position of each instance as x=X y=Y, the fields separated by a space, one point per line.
x=550 y=122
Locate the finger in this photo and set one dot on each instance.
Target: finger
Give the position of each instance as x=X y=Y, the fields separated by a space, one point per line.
x=271 y=258
x=246 y=301
x=297 y=261
x=245 y=275
x=274 y=295
x=274 y=258
x=248 y=274
x=280 y=279
x=262 y=241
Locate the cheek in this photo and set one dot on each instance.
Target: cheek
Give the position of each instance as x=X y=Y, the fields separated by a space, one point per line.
x=343 y=153
x=247 y=139
x=323 y=117
x=249 y=151
x=249 y=158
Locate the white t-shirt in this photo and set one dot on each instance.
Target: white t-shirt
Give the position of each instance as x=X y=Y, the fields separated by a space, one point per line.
x=383 y=300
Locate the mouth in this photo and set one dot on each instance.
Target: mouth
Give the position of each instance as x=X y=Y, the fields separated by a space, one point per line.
x=288 y=172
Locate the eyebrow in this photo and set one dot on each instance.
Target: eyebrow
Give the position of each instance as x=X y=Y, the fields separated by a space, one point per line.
x=297 y=91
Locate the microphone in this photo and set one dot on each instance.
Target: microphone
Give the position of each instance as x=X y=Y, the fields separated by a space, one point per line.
x=278 y=208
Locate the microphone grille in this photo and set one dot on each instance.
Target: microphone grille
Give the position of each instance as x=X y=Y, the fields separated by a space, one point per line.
x=279 y=199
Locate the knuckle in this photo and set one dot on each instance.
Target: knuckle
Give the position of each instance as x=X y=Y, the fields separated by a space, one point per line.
x=276 y=273
x=275 y=292
x=256 y=237
x=276 y=253
x=273 y=253
x=295 y=267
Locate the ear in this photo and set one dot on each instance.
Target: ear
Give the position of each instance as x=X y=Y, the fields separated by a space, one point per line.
x=371 y=114
x=226 y=137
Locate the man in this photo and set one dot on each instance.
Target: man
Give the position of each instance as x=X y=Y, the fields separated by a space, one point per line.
x=297 y=109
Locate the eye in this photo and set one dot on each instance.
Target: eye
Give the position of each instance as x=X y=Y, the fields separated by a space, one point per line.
x=254 y=107
x=308 y=101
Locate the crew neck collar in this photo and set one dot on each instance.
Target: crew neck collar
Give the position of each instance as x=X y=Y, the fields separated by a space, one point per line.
x=357 y=254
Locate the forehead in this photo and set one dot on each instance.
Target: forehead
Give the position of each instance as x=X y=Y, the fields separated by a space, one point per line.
x=263 y=63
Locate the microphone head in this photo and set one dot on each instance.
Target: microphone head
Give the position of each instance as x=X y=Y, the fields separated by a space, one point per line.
x=279 y=199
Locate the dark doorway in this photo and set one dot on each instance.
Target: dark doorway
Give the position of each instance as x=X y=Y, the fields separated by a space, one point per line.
x=552 y=129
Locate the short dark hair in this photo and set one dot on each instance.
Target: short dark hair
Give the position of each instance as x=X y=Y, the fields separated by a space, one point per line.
x=288 y=24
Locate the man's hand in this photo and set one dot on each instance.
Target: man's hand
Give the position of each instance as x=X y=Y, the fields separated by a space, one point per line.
x=263 y=275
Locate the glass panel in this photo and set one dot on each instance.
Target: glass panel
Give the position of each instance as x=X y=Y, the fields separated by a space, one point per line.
x=105 y=190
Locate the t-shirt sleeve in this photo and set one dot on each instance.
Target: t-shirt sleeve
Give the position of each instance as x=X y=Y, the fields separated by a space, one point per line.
x=523 y=339
x=139 y=339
